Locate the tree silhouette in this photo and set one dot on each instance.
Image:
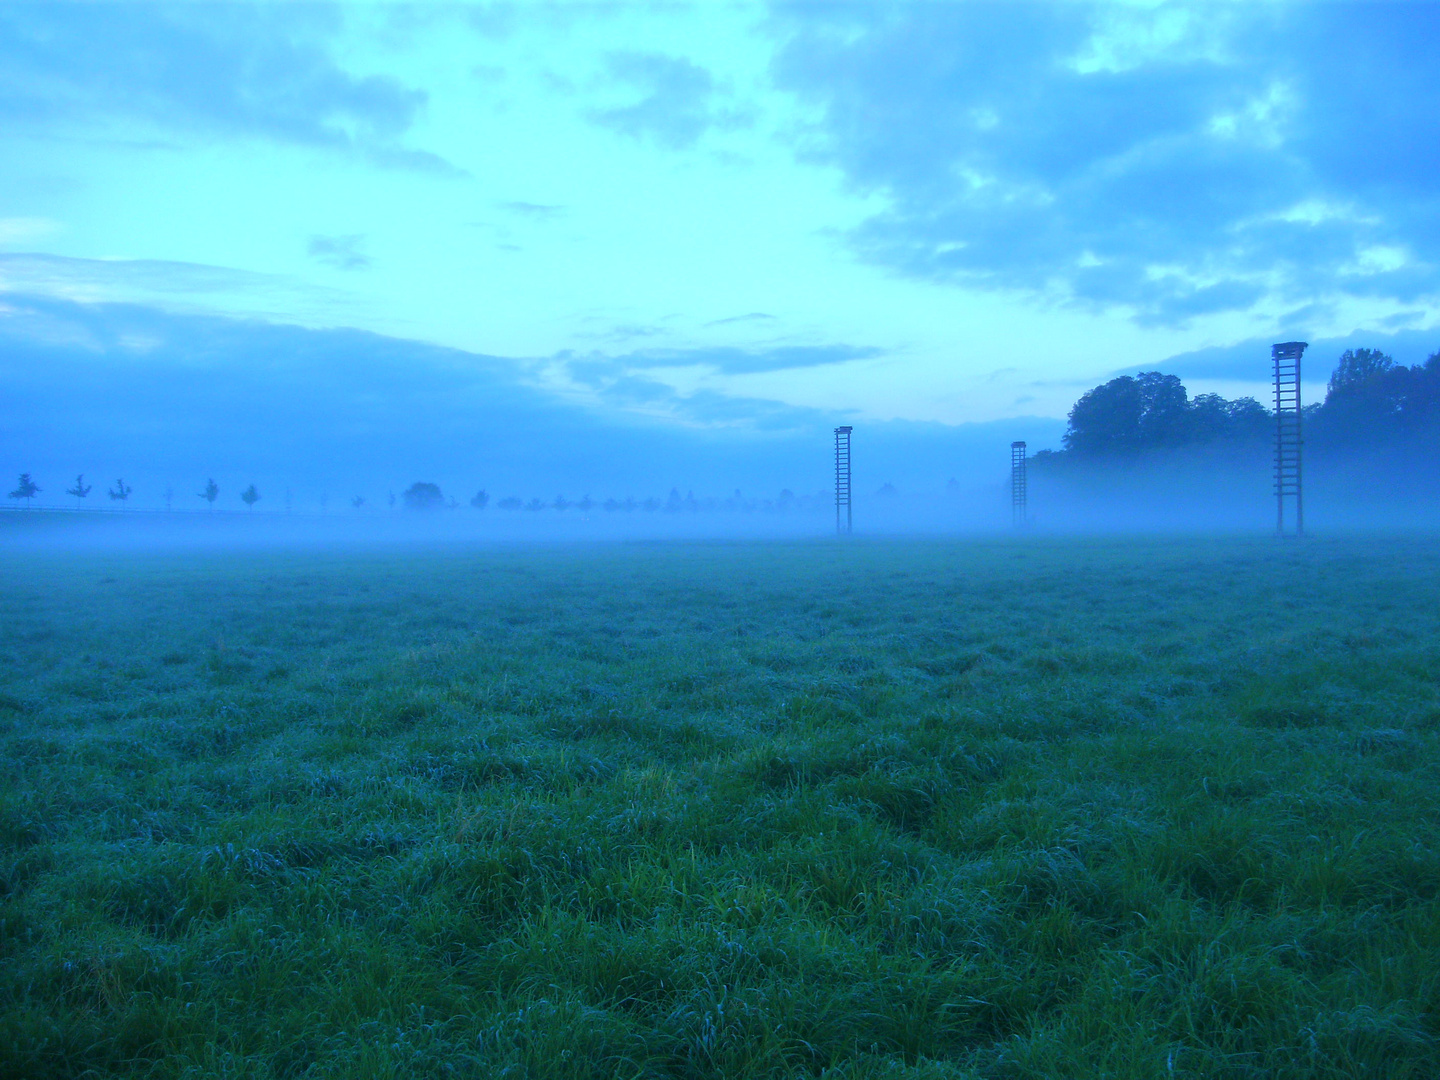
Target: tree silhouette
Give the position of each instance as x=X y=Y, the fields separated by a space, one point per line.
x=1153 y=410
x=1356 y=367
x=120 y=492
x=250 y=496
x=25 y=489
x=169 y=497
x=481 y=499
x=211 y=492
x=358 y=501
x=423 y=496
x=81 y=489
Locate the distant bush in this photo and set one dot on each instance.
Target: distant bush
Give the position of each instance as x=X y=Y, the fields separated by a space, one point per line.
x=421 y=496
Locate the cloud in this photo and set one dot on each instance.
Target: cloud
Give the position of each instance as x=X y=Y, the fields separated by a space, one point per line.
x=532 y=211
x=725 y=360
x=339 y=252
x=1171 y=161
x=163 y=398
x=19 y=230
x=754 y=316
x=160 y=281
x=28 y=272
x=677 y=104
x=259 y=71
x=1249 y=361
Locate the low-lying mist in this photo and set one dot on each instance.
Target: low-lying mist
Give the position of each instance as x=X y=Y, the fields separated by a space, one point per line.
x=1215 y=490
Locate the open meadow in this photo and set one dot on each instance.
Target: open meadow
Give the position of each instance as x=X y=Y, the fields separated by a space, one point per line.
x=1118 y=808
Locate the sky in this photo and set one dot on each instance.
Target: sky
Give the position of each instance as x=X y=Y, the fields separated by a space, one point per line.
x=583 y=244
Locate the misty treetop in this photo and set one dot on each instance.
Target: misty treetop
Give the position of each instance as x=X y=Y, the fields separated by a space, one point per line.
x=423 y=496
x=1370 y=395
x=1370 y=398
x=1149 y=410
x=25 y=488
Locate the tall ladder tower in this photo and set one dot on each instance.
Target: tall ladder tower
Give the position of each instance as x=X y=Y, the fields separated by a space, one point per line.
x=843 y=521
x=1018 y=483
x=1288 y=441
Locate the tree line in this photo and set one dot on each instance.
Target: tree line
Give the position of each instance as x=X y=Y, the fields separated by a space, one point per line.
x=1370 y=399
x=428 y=496
x=425 y=496
x=26 y=488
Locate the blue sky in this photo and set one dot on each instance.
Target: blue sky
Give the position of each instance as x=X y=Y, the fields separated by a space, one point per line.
x=732 y=221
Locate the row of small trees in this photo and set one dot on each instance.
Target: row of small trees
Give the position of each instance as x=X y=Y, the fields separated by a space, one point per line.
x=27 y=489
x=426 y=496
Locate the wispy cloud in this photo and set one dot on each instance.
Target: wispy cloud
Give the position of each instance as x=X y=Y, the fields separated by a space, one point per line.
x=724 y=360
x=531 y=211
x=191 y=286
x=260 y=71
x=22 y=230
x=339 y=252
x=679 y=100
x=754 y=316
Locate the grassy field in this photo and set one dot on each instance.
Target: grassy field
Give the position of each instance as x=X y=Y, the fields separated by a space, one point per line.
x=1144 y=808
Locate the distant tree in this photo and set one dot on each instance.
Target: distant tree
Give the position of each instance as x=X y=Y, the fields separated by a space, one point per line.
x=119 y=492
x=1248 y=417
x=390 y=499
x=611 y=505
x=250 y=497
x=358 y=501
x=287 y=500
x=561 y=503
x=535 y=504
x=585 y=504
x=452 y=504
x=1130 y=413
x=423 y=496
x=1105 y=419
x=80 y=490
x=887 y=491
x=480 y=499
x=1357 y=367
x=673 y=502
x=25 y=488
x=169 y=496
x=211 y=492
x=1366 y=397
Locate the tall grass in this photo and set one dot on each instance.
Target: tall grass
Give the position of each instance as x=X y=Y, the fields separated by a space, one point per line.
x=920 y=809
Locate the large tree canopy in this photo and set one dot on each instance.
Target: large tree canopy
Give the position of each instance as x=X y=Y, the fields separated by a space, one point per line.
x=1370 y=399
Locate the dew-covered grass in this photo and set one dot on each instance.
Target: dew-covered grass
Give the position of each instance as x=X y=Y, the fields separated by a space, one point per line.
x=1085 y=808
